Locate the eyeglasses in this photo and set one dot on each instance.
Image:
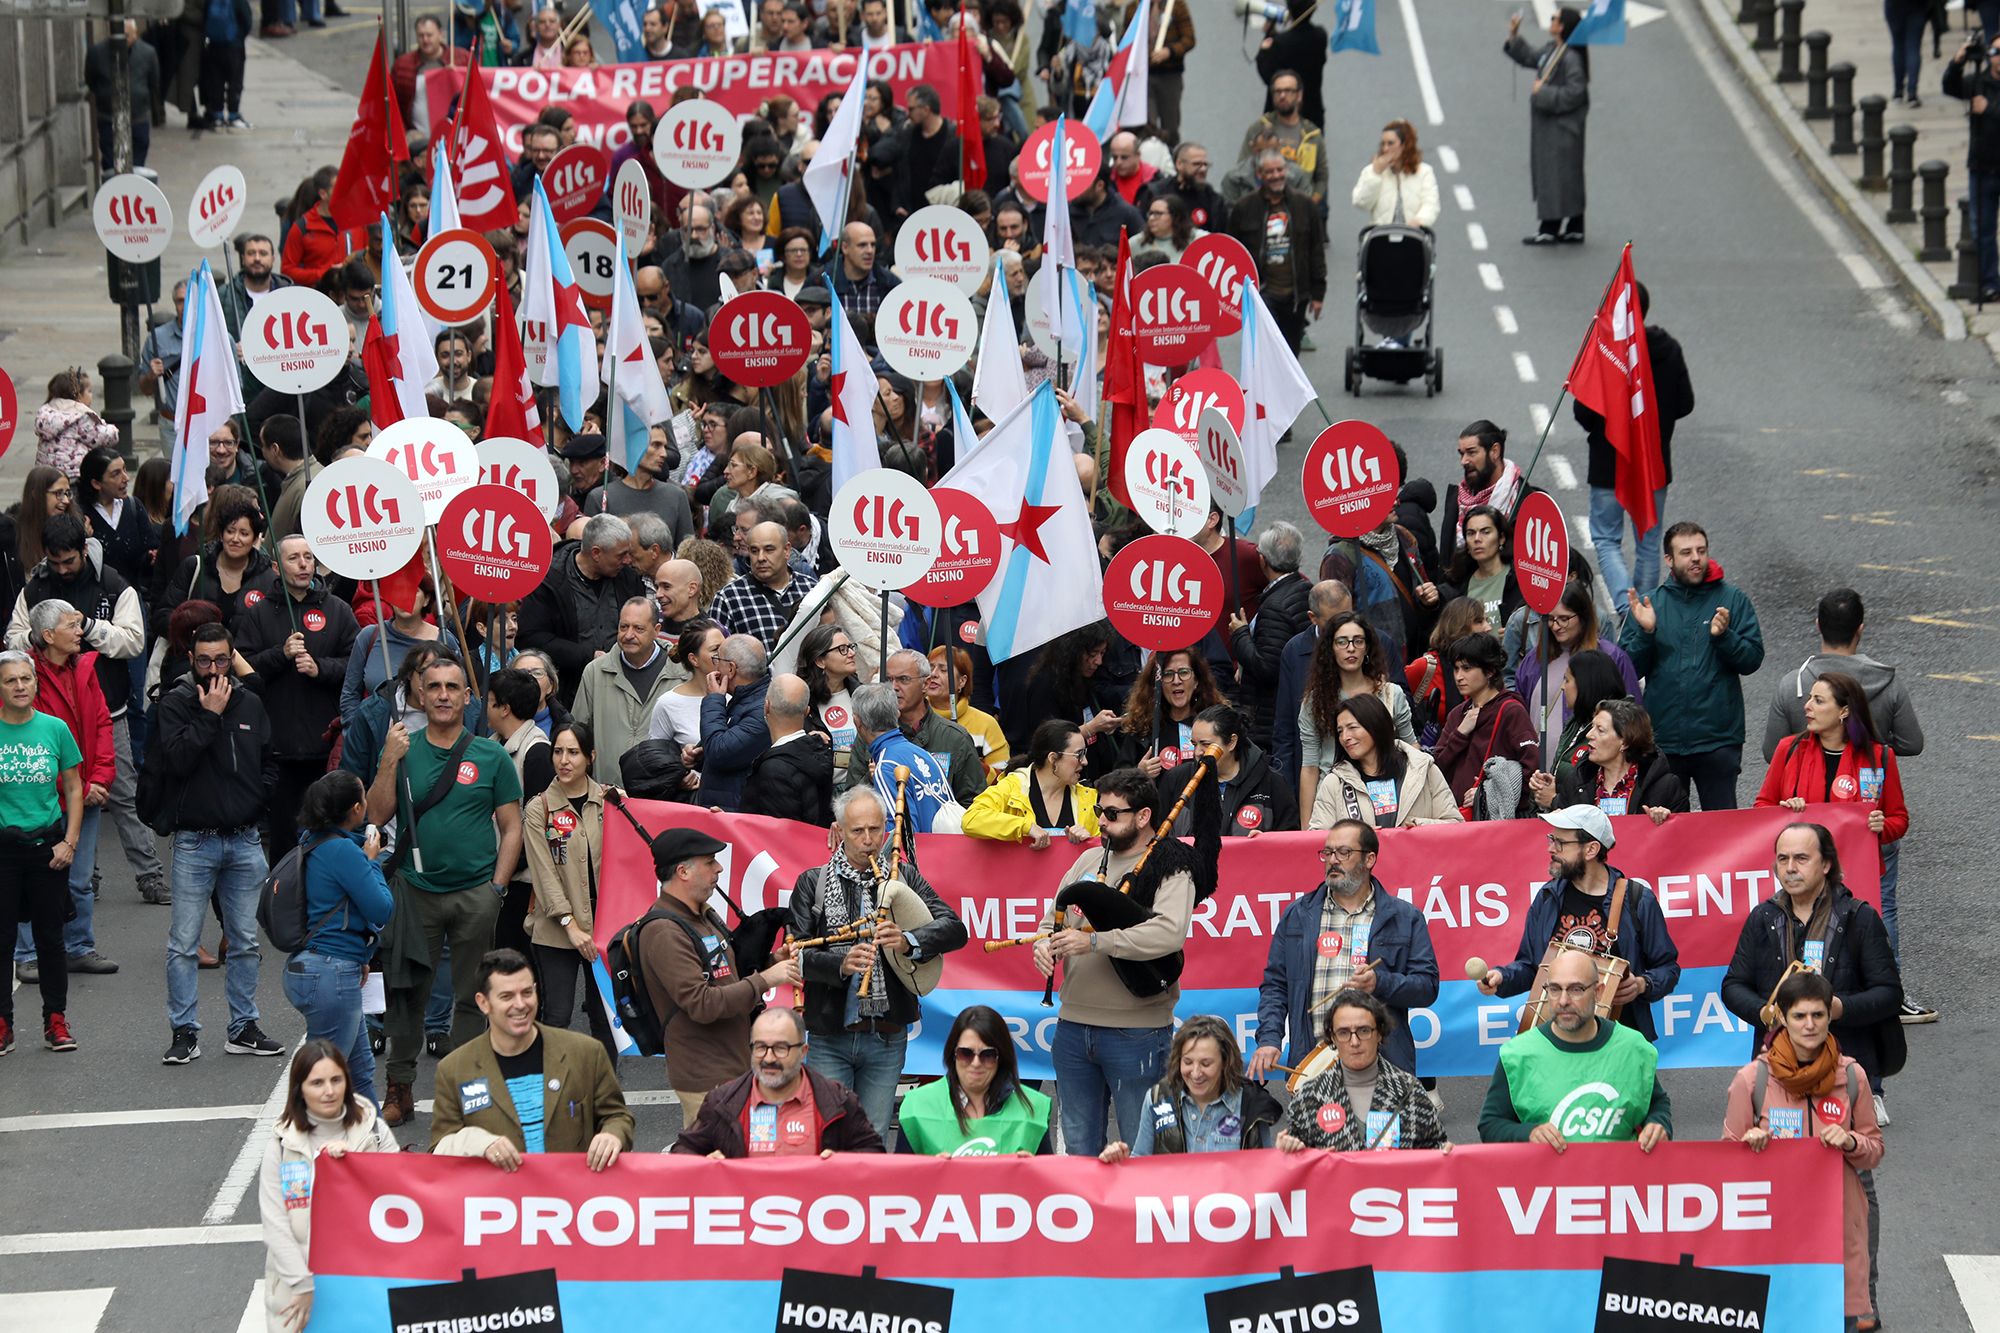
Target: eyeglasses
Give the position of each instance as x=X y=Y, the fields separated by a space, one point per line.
x=1554 y=841
x=211 y=661
x=1105 y=812
x=1576 y=992
x=983 y=1055
x=1353 y=1034
x=847 y=648
x=1350 y=641
x=1338 y=853
x=1178 y=673
x=1561 y=622
x=782 y=1049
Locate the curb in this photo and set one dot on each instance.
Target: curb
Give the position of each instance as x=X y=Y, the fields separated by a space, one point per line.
x=1859 y=213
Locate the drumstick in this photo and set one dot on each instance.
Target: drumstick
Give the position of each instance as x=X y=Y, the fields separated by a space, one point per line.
x=1476 y=968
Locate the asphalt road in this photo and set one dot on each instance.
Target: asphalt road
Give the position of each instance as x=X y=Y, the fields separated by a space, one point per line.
x=1835 y=441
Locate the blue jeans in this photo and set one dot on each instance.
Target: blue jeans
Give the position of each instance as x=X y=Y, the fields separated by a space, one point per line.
x=78 y=936
x=135 y=709
x=1607 y=534
x=1985 y=190
x=1906 y=41
x=327 y=993
x=1096 y=1067
x=1892 y=856
x=867 y=1062
x=232 y=867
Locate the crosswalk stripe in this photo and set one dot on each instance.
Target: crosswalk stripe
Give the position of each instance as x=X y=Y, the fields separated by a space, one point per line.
x=144 y=1238
x=59 y=1311
x=253 y=1314
x=1978 y=1279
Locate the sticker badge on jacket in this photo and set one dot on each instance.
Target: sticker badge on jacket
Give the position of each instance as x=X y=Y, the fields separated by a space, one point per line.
x=474 y=1096
x=1871 y=784
x=1814 y=955
x=295 y=1184
x=1385 y=1130
x=1787 y=1122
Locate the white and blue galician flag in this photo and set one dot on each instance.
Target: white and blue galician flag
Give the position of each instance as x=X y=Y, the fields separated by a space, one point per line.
x=1275 y=391
x=621 y=19
x=409 y=331
x=1354 y=27
x=999 y=384
x=1049 y=581
x=927 y=29
x=210 y=393
x=444 y=193
x=552 y=304
x=1079 y=21
x=628 y=359
x=854 y=388
x=1603 y=24
x=829 y=177
x=964 y=438
x=1120 y=98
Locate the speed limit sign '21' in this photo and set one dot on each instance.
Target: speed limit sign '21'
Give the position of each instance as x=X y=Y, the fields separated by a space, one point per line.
x=455 y=275
x=592 y=247
x=435 y=455
x=363 y=518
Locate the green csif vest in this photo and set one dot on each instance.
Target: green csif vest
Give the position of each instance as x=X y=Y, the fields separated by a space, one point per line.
x=1590 y=1096
x=930 y=1124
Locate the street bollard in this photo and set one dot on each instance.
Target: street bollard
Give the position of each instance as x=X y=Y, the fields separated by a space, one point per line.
x=1746 y=12
x=1966 y=286
x=1936 y=248
x=1842 y=111
x=1902 y=174
x=1816 y=74
x=1873 y=107
x=114 y=373
x=1767 y=26
x=1791 y=11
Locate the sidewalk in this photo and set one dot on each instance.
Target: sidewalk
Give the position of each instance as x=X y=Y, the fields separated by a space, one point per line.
x=54 y=308
x=1861 y=38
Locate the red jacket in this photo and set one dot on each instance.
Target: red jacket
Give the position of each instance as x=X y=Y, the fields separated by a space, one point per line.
x=71 y=693
x=314 y=246
x=1798 y=770
x=403 y=75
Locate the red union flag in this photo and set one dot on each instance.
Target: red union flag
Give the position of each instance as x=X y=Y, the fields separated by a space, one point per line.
x=1613 y=377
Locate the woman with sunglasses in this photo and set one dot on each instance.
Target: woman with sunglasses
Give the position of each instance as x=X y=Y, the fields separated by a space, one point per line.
x=1361 y=1101
x=1204 y=1104
x=1041 y=796
x=980 y=1108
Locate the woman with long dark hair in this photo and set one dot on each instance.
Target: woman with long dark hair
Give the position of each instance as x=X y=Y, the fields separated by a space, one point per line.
x=1590 y=679
x=230 y=566
x=796 y=269
x=980 y=1108
x=1482 y=566
x=830 y=667
x=1041 y=796
x=1564 y=632
x=44 y=494
x=1170 y=229
x=562 y=832
x=1061 y=683
x=1254 y=797
x=1558 y=108
x=1379 y=779
x=1204 y=1103
x=1173 y=689
x=1433 y=692
x=1347 y=660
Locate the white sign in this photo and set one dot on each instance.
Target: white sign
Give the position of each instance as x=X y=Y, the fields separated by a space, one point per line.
x=942 y=241
x=437 y=457
x=454 y=275
x=632 y=205
x=1222 y=459
x=217 y=207
x=1166 y=483
x=1041 y=309
x=592 y=247
x=521 y=466
x=295 y=340
x=696 y=144
x=363 y=518
x=885 y=529
x=926 y=328
x=133 y=219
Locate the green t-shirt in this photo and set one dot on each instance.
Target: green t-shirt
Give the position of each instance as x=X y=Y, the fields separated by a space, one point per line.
x=33 y=755
x=931 y=1126
x=456 y=840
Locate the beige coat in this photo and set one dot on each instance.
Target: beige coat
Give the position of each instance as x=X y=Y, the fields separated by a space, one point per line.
x=562 y=889
x=1423 y=798
x=288 y=1229
x=615 y=713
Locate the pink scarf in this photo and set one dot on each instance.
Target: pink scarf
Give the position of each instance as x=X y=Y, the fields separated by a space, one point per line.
x=1501 y=494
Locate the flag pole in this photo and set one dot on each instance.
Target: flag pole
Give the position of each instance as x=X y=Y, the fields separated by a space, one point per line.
x=1605 y=296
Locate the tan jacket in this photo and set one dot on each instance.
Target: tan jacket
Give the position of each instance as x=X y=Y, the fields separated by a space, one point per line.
x=1423 y=798
x=705 y=1023
x=1091 y=990
x=566 y=888
x=581 y=1098
x=617 y=716
x=288 y=1220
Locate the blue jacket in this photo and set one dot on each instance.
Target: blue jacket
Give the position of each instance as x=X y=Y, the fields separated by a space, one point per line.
x=929 y=791
x=337 y=875
x=1694 y=681
x=733 y=734
x=1406 y=974
x=1643 y=942
x=1294 y=667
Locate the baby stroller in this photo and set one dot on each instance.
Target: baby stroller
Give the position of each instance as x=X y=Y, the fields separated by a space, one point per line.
x=1393 y=327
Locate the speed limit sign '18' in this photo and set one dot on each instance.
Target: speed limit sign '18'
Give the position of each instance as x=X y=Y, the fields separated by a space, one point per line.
x=592 y=247
x=455 y=273
x=434 y=454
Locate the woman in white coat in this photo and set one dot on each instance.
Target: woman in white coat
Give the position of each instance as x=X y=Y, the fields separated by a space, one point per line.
x=322 y=1117
x=1398 y=186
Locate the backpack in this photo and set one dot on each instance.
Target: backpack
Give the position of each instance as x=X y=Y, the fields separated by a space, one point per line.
x=156 y=798
x=629 y=996
x=281 y=901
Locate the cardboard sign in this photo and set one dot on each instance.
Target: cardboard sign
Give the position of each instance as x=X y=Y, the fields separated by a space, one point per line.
x=363 y=518
x=632 y=205
x=592 y=247
x=942 y=241
x=217 y=208
x=926 y=328
x=133 y=219
x=1181 y=406
x=1350 y=479
x=575 y=179
x=885 y=529
x=1176 y=313
x=1220 y=450
x=494 y=543
x=1225 y=265
x=455 y=275
x=1342 y=1299
x=697 y=142
x=1166 y=482
x=434 y=454
x=1638 y=1296
x=528 y=1301
x=521 y=465
x=969 y=557
x=295 y=340
x=1085 y=155
x=812 y=1302
x=1163 y=593
x=759 y=338
x=10 y=410
x=1541 y=552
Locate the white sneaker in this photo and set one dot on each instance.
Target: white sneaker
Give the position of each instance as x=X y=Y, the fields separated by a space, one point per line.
x=1881 y=1110
x=1437 y=1101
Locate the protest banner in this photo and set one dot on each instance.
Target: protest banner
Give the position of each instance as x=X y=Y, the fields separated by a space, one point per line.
x=1242 y=1242
x=1473 y=883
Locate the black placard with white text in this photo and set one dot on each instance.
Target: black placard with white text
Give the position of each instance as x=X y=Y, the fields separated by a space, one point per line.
x=1342 y=1299
x=518 y=1302
x=1636 y=1296
x=813 y=1302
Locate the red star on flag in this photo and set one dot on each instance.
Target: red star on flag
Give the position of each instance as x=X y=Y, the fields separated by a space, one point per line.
x=839 y=386
x=1026 y=529
x=569 y=307
x=196 y=403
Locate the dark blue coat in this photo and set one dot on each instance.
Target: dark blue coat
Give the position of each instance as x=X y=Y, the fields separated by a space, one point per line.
x=1406 y=974
x=1294 y=668
x=1643 y=942
x=733 y=734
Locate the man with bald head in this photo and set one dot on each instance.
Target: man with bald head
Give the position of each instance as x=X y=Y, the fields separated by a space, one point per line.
x=656 y=294
x=762 y=602
x=794 y=778
x=677 y=589
x=858 y=280
x=1129 y=172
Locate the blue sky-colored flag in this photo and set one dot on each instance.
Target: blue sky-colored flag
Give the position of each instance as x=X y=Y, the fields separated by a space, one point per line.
x=1603 y=25
x=1354 y=27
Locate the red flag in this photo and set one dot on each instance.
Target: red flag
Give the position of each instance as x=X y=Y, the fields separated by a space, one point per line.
x=379 y=359
x=511 y=410
x=399 y=590
x=1124 y=378
x=971 y=79
x=485 y=178
x=366 y=187
x=1613 y=377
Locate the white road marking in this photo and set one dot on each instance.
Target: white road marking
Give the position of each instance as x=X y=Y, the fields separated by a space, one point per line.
x=1865 y=276
x=143 y=1238
x=1433 y=110
x=1582 y=526
x=173 y=1115
x=1503 y=316
x=253 y=1313
x=59 y=1311
x=1449 y=156
x=1524 y=367
x=1637 y=15
x=1895 y=312
x=1956 y=397
x=1463 y=194
x=1565 y=474
x=1490 y=275
x=243 y=1171
x=1475 y=235
x=1978 y=1279
x=1539 y=414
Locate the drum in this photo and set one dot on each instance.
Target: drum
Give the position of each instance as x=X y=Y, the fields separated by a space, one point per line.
x=1318 y=1060
x=1611 y=972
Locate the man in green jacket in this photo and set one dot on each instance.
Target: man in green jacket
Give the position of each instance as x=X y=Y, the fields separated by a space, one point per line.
x=1575 y=1079
x=1694 y=640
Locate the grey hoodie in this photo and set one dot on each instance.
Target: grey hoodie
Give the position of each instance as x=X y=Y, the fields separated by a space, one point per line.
x=1895 y=716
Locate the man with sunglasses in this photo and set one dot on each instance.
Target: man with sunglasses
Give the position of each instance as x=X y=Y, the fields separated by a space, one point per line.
x=781 y=1108
x=1976 y=80
x=1574 y=906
